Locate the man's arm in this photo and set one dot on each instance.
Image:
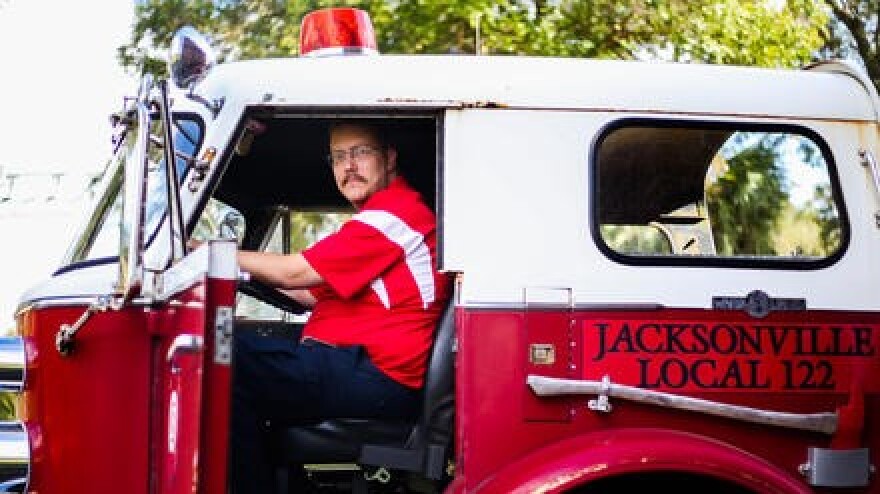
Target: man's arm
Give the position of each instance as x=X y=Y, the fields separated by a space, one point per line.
x=301 y=295
x=288 y=272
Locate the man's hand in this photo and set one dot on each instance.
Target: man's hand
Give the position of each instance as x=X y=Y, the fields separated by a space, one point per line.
x=287 y=272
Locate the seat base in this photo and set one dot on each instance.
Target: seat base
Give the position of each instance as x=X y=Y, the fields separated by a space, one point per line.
x=340 y=440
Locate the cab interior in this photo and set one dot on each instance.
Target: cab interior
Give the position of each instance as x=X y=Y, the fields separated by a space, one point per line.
x=280 y=164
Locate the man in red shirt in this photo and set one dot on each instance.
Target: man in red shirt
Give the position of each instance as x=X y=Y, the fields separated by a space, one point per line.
x=375 y=296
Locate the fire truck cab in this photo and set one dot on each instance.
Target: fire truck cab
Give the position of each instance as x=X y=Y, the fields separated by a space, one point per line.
x=666 y=276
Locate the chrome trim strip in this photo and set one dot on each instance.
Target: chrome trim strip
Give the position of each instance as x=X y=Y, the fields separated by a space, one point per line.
x=75 y=301
x=12 y=364
x=824 y=422
x=539 y=306
x=131 y=262
x=15 y=457
x=184 y=274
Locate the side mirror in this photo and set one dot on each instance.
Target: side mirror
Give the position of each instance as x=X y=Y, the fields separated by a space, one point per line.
x=190 y=58
x=219 y=221
x=232 y=226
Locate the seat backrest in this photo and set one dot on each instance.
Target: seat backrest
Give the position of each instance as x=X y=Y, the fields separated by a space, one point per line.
x=438 y=401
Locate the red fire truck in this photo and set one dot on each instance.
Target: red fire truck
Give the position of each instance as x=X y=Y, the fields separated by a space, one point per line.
x=666 y=276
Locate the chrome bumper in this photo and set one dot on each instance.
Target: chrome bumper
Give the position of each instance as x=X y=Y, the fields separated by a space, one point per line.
x=15 y=457
x=12 y=364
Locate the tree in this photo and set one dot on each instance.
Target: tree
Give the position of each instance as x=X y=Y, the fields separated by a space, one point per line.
x=745 y=32
x=746 y=201
x=854 y=33
x=752 y=32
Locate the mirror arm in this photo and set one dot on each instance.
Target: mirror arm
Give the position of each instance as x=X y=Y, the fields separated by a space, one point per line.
x=213 y=106
x=171 y=180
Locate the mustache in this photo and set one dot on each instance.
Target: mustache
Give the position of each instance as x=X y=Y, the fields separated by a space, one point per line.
x=352 y=176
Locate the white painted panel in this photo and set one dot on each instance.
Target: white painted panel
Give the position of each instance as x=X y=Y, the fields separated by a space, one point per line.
x=540 y=82
x=516 y=216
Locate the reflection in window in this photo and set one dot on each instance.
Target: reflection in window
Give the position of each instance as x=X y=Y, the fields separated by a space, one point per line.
x=219 y=220
x=716 y=192
x=186 y=137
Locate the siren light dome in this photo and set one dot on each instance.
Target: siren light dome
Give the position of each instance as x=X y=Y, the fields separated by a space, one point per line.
x=337 y=31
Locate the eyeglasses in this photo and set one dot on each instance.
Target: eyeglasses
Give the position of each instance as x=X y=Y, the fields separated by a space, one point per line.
x=356 y=153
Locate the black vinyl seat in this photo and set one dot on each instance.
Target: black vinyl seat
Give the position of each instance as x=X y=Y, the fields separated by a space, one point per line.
x=421 y=446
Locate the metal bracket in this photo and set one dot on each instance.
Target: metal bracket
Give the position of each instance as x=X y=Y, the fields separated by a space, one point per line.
x=64 y=338
x=838 y=467
x=602 y=403
x=870 y=163
x=223 y=335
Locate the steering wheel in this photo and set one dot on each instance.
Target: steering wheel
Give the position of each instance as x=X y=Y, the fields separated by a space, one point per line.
x=270 y=295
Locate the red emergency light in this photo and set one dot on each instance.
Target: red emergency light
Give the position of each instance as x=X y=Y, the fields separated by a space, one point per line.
x=337 y=31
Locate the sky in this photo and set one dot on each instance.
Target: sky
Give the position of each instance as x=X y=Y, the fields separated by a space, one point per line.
x=59 y=82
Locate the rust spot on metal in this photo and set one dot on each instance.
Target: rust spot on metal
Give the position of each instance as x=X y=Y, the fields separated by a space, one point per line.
x=444 y=102
x=483 y=104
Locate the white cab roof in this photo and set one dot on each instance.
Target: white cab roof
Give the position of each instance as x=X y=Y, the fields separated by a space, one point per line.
x=838 y=92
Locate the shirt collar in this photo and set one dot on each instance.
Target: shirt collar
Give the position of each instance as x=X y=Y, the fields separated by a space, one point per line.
x=398 y=184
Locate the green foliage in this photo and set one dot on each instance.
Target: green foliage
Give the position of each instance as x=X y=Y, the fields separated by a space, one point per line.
x=753 y=32
x=749 y=33
x=306 y=228
x=744 y=32
x=745 y=202
x=636 y=239
x=854 y=32
x=797 y=233
x=8 y=406
x=826 y=217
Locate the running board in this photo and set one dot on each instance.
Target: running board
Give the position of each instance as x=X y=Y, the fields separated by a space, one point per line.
x=824 y=422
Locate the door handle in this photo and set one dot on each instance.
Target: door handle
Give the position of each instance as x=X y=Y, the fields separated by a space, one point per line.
x=183 y=344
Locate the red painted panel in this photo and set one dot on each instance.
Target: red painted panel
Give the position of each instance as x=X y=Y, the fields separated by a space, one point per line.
x=177 y=410
x=576 y=461
x=549 y=331
x=88 y=413
x=492 y=366
x=215 y=397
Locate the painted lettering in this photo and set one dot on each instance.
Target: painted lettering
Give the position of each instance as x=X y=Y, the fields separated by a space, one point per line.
x=702 y=373
x=732 y=355
x=863 y=345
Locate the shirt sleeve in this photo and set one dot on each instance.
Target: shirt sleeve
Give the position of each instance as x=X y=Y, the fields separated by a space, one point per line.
x=350 y=259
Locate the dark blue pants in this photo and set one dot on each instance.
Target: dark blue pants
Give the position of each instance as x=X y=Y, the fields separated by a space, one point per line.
x=280 y=382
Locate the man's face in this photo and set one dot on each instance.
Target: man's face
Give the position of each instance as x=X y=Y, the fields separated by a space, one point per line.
x=361 y=167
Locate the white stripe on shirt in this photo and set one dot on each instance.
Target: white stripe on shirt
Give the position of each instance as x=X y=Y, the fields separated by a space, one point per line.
x=378 y=287
x=416 y=252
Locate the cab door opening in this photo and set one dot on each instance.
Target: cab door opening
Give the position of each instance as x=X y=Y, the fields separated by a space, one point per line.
x=277 y=193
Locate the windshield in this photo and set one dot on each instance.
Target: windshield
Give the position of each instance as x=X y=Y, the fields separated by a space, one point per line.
x=100 y=237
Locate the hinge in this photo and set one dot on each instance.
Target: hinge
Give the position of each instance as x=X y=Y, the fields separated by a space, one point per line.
x=868 y=161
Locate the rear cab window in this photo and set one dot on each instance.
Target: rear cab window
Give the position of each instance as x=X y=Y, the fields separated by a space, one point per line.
x=743 y=195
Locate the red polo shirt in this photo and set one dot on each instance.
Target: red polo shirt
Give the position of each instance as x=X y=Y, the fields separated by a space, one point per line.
x=382 y=289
